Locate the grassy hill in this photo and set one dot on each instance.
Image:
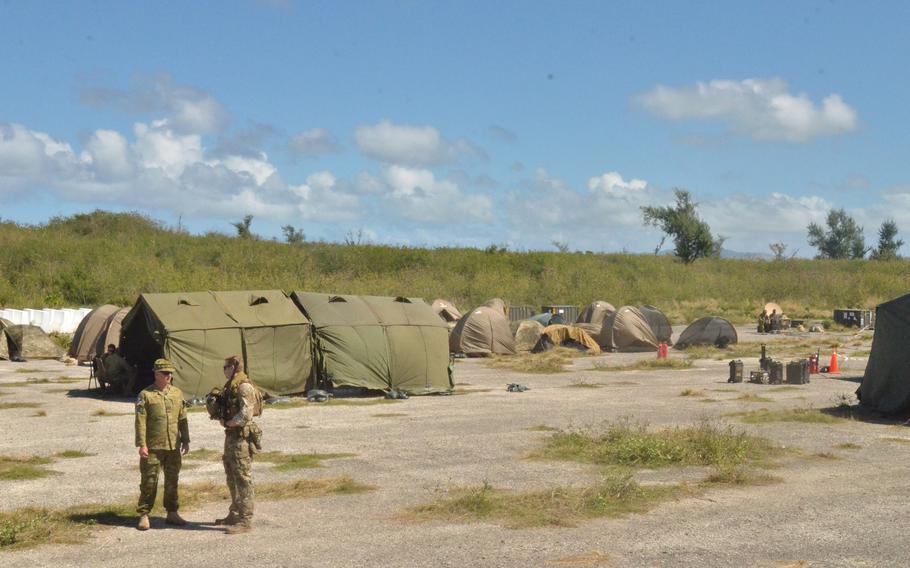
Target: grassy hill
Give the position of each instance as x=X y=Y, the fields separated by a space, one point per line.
x=103 y=257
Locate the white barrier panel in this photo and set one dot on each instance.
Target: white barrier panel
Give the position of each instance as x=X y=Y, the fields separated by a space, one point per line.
x=50 y=320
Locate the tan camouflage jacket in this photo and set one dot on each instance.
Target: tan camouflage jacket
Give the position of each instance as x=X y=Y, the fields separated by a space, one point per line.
x=161 y=419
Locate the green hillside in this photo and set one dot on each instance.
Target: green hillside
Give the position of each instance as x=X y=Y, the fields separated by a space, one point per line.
x=101 y=257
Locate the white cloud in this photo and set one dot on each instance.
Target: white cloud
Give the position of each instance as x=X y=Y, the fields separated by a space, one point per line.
x=158 y=146
x=416 y=194
x=188 y=110
x=412 y=145
x=110 y=155
x=314 y=142
x=760 y=108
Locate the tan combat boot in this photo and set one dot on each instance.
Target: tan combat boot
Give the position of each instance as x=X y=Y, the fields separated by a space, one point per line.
x=240 y=527
x=230 y=519
x=143 y=523
x=174 y=518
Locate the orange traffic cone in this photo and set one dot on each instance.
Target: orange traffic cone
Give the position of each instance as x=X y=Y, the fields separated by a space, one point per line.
x=833 y=369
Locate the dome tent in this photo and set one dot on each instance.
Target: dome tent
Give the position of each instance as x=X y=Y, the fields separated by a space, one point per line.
x=111 y=335
x=659 y=323
x=596 y=312
x=559 y=335
x=85 y=339
x=446 y=310
x=709 y=330
x=627 y=330
x=484 y=331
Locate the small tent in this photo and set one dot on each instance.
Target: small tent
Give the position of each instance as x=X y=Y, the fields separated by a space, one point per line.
x=447 y=311
x=111 y=335
x=85 y=339
x=659 y=323
x=378 y=343
x=596 y=312
x=708 y=331
x=627 y=330
x=5 y=323
x=197 y=330
x=484 y=331
x=497 y=304
x=886 y=382
x=28 y=342
x=527 y=334
x=567 y=336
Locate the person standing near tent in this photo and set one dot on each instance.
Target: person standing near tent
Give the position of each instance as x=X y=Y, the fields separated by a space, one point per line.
x=241 y=402
x=116 y=372
x=763 y=321
x=162 y=436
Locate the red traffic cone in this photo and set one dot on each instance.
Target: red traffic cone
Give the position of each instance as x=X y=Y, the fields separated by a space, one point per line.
x=833 y=369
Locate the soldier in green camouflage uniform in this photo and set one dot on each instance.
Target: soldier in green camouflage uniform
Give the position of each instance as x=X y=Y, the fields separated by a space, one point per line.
x=162 y=434
x=241 y=439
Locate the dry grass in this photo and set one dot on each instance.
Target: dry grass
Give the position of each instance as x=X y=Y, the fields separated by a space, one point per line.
x=8 y=405
x=541 y=428
x=848 y=446
x=389 y=415
x=547 y=362
x=895 y=439
x=612 y=496
x=629 y=444
x=594 y=558
x=39 y=414
x=802 y=415
x=105 y=412
x=24 y=528
x=691 y=392
x=749 y=397
x=583 y=384
x=647 y=365
x=22 y=468
x=282 y=461
x=72 y=454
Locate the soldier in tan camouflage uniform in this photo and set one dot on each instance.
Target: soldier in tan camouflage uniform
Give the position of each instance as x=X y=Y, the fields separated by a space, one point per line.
x=162 y=435
x=241 y=439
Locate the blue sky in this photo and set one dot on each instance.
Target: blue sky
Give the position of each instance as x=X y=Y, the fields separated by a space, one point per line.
x=460 y=123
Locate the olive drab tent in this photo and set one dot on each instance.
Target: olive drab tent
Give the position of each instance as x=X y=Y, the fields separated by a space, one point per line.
x=886 y=382
x=566 y=336
x=527 y=334
x=707 y=331
x=28 y=342
x=378 y=343
x=111 y=333
x=659 y=323
x=197 y=330
x=85 y=339
x=484 y=331
x=497 y=304
x=596 y=313
x=447 y=311
x=627 y=330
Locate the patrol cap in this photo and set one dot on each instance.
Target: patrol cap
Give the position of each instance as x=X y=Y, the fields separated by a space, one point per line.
x=164 y=366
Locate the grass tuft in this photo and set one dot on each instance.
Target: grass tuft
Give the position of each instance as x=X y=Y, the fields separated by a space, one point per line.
x=547 y=362
x=71 y=454
x=647 y=365
x=749 y=397
x=13 y=468
x=8 y=405
x=848 y=446
x=541 y=428
x=633 y=445
x=691 y=392
x=803 y=415
x=105 y=412
x=583 y=384
x=289 y=462
x=615 y=495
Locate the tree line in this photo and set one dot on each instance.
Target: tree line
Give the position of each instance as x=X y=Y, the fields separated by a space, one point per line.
x=840 y=238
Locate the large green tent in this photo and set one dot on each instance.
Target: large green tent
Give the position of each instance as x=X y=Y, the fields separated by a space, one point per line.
x=197 y=330
x=886 y=382
x=378 y=343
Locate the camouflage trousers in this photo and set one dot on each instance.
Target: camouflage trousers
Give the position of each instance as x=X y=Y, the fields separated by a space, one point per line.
x=149 y=467
x=238 y=468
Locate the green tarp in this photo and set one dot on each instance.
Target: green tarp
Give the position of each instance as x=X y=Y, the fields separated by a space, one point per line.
x=886 y=382
x=379 y=343
x=197 y=330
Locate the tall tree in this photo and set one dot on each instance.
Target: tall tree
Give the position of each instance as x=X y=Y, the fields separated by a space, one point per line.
x=243 y=227
x=293 y=236
x=888 y=243
x=843 y=238
x=692 y=237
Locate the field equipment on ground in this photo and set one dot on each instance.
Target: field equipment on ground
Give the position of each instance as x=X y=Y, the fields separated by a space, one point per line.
x=798 y=372
x=759 y=377
x=776 y=372
x=736 y=371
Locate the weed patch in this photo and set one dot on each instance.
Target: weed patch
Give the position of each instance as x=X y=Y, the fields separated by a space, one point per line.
x=289 y=462
x=612 y=496
x=691 y=392
x=583 y=384
x=388 y=415
x=647 y=365
x=633 y=445
x=9 y=405
x=23 y=468
x=547 y=362
x=848 y=446
x=204 y=454
x=749 y=397
x=541 y=428
x=39 y=414
x=105 y=412
x=72 y=454
x=803 y=415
